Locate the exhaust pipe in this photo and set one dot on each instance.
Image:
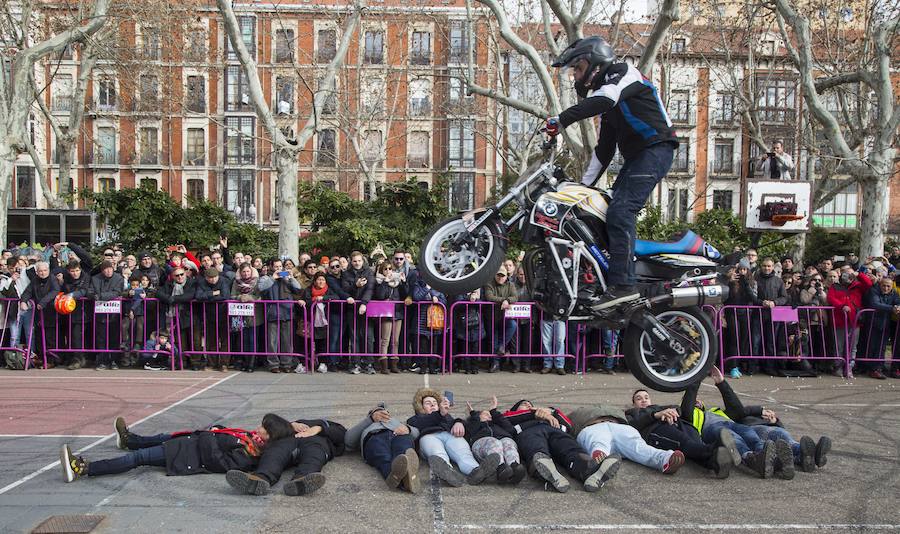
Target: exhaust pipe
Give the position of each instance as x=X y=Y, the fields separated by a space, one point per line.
x=682 y=297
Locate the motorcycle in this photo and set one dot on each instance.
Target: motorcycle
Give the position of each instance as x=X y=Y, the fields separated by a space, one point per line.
x=669 y=343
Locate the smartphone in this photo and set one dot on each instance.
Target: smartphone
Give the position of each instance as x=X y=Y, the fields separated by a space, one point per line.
x=284 y=274
x=449 y=396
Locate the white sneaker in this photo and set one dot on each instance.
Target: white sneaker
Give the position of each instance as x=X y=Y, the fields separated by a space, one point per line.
x=322 y=368
x=355 y=370
x=300 y=369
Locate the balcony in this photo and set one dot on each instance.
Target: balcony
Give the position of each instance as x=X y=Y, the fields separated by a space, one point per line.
x=103 y=107
x=682 y=167
x=420 y=58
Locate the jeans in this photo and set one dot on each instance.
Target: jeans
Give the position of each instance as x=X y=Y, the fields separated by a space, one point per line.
x=615 y=438
x=685 y=438
x=447 y=446
x=746 y=438
x=136 y=441
x=506 y=329
x=635 y=182
x=155 y=456
x=610 y=339
x=382 y=447
x=553 y=341
x=774 y=433
x=22 y=324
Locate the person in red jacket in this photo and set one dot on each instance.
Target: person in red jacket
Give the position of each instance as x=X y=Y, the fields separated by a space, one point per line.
x=847 y=297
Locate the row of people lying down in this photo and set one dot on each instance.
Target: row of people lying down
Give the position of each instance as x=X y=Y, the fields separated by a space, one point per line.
x=588 y=444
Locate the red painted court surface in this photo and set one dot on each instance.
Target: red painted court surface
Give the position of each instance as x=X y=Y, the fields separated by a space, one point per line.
x=83 y=403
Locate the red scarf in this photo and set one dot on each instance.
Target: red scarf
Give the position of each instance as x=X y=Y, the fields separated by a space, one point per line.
x=316 y=293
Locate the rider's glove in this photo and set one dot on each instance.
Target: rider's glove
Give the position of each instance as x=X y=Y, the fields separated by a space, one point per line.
x=552 y=126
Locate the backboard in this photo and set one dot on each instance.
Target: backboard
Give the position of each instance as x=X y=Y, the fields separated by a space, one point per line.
x=779 y=205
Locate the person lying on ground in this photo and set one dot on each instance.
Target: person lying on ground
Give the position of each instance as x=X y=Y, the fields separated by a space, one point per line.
x=388 y=445
x=488 y=432
x=213 y=450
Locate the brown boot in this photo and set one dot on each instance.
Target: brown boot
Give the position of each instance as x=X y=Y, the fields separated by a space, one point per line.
x=383 y=366
x=394 y=365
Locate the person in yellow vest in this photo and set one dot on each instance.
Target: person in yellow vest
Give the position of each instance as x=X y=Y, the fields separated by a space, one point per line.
x=756 y=454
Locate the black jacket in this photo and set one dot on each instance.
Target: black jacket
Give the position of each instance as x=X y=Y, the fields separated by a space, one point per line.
x=333 y=433
x=522 y=420
x=204 y=451
x=205 y=291
x=883 y=304
x=770 y=288
x=82 y=288
x=107 y=288
x=432 y=423
x=183 y=301
x=642 y=418
x=154 y=273
x=360 y=294
x=335 y=284
x=42 y=291
x=498 y=427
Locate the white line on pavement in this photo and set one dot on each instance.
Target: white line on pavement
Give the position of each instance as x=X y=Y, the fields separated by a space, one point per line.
x=687 y=526
x=72 y=436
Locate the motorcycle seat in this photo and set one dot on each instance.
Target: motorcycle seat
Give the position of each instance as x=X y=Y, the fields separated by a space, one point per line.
x=689 y=243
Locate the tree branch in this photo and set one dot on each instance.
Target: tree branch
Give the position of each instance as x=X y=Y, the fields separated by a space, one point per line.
x=507 y=100
x=823 y=84
x=668 y=14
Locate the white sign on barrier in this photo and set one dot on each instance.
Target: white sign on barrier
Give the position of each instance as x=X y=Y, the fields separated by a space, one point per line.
x=108 y=306
x=518 y=311
x=240 y=309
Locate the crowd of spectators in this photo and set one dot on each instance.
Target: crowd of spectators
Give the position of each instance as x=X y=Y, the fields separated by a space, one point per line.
x=372 y=313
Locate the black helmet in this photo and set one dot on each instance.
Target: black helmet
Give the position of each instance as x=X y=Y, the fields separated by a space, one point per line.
x=598 y=54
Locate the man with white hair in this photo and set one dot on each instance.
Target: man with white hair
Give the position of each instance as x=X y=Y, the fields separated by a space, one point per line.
x=39 y=296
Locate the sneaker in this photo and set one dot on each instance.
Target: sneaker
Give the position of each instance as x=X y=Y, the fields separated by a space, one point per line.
x=153 y=367
x=247 y=483
x=354 y=370
x=100 y=367
x=414 y=368
x=122 y=433
x=895 y=373
x=399 y=469
x=446 y=472
x=300 y=369
x=411 y=482
x=762 y=462
x=726 y=439
x=615 y=296
x=114 y=366
x=603 y=475
x=784 y=460
x=674 y=463
x=73 y=466
x=485 y=469
x=304 y=484
x=560 y=371
x=322 y=368
x=370 y=370
x=850 y=375
x=823 y=447
x=546 y=469
x=807 y=454
x=724 y=462
x=598 y=456
x=545 y=370
x=735 y=373
x=837 y=372
x=74 y=365
x=877 y=375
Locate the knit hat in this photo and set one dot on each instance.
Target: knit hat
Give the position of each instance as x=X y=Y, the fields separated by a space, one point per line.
x=516 y=405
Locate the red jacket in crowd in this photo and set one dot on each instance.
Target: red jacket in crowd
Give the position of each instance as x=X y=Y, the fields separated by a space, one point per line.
x=852 y=297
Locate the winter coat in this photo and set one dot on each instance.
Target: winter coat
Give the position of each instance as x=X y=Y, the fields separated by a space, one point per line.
x=642 y=418
x=42 y=291
x=770 y=287
x=421 y=293
x=207 y=451
x=332 y=435
x=883 y=306
x=355 y=438
x=279 y=289
x=360 y=294
x=257 y=317
x=497 y=293
x=80 y=289
x=107 y=288
x=852 y=297
x=181 y=302
x=156 y=275
x=522 y=420
x=586 y=415
x=430 y=423
x=498 y=427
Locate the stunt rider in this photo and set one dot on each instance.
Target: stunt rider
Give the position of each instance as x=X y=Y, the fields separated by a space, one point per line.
x=632 y=117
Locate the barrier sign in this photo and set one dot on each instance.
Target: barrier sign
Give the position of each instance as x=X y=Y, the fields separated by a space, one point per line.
x=518 y=311
x=240 y=309
x=108 y=306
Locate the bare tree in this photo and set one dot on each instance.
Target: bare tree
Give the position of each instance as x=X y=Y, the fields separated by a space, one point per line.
x=17 y=92
x=286 y=148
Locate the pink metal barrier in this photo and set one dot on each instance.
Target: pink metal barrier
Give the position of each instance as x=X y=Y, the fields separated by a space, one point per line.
x=782 y=333
x=212 y=333
x=344 y=330
x=878 y=333
x=476 y=326
x=103 y=328
x=17 y=325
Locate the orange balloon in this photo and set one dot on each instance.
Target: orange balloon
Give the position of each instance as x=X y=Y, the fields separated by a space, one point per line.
x=64 y=304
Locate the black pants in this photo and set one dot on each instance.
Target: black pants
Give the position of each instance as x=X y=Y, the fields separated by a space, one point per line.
x=558 y=445
x=309 y=455
x=684 y=438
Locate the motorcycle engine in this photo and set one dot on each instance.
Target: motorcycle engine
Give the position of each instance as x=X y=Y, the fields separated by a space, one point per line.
x=545 y=284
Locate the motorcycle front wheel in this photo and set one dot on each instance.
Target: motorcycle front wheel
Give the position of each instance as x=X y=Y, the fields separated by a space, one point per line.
x=693 y=329
x=457 y=269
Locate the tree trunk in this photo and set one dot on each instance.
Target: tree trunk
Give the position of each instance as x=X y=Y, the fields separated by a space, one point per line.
x=873 y=216
x=65 y=171
x=289 y=221
x=7 y=164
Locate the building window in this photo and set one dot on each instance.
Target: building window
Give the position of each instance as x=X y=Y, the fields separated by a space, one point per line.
x=840 y=212
x=196 y=147
x=461 y=193
x=25 y=177
x=722 y=199
x=284 y=95
x=677 y=204
x=248 y=35
x=457 y=86
x=326 y=154
x=150 y=48
x=419 y=98
x=723 y=161
x=776 y=100
x=240 y=190
x=106 y=146
x=679 y=46
x=767 y=47
x=459 y=42
x=106 y=184
x=195 y=189
x=196 y=45
x=106 y=94
x=284 y=46
x=371 y=147
x=420 y=53
x=329 y=106
x=149 y=146
x=679 y=107
x=149 y=93
x=724 y=112
x=237 y=91
x=240 y=145
x=326 y=45
x=62 y=92
x=195 y=95
x=461 y=146
x=150 y=184
x=374 y=52
x=372 y=95
x=680 y=163
x=328 y=184
x=417 y=150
